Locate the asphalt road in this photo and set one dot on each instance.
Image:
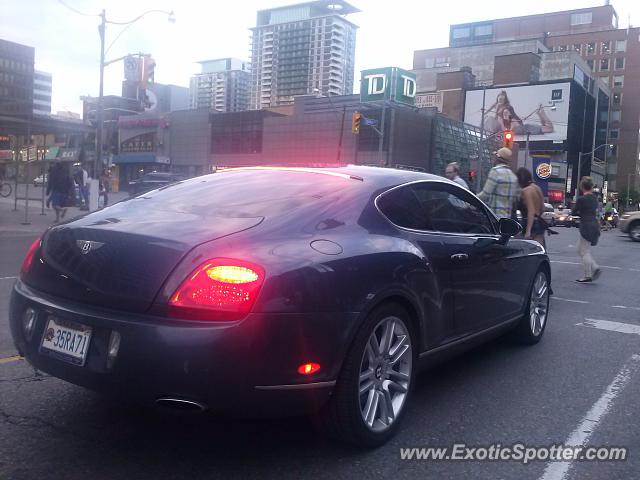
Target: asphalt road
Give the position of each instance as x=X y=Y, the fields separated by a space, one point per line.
x=581 y=382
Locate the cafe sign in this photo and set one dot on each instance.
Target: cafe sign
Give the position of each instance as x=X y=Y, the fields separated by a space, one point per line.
x=143 y=143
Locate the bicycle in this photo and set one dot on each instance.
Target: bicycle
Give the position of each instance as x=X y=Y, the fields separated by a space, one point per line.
x=5 y=189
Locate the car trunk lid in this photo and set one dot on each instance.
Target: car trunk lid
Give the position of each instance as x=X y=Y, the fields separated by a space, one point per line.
x=120 y=260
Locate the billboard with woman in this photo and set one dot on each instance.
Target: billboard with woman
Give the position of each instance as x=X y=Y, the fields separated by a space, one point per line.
x=541 y=111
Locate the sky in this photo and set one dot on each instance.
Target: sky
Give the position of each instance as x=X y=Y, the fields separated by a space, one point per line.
x=67 y=43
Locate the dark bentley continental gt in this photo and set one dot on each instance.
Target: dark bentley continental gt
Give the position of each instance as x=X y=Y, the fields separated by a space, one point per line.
x=279 y=291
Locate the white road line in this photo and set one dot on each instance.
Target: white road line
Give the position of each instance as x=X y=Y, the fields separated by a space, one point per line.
x=611 y=326
x=622 y=306
x=8 y=278
x=580 y=436
x=569 y=300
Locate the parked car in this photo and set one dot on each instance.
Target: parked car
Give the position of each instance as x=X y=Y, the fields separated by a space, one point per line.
x=278 y=290
x=548 y=214
x=563 y=218
x=630 y=223
x=151 y=181
x=40 y=180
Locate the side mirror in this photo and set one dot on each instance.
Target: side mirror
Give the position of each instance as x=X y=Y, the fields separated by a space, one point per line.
x=508 y=228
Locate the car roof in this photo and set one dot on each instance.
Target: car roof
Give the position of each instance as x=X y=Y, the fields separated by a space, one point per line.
x=372 y=176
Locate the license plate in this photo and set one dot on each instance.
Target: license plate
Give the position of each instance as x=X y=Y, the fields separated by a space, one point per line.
x=65 y=340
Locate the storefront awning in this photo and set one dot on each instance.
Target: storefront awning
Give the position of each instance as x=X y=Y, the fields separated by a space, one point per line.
x=52 y=153
x=139 y=158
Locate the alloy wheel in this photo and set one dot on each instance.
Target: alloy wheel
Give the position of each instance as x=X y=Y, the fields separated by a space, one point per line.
x=539 y=304
x=385 y=374
x=635 y=232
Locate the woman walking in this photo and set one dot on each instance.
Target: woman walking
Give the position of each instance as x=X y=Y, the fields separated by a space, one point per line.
x=586 y=208
x=531 y=205
x=60 y=188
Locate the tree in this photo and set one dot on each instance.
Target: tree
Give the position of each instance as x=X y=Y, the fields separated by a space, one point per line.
x=623 y=200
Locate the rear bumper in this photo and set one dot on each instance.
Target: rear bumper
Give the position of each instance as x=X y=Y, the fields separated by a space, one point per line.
x=248 y=367
x=563 y=223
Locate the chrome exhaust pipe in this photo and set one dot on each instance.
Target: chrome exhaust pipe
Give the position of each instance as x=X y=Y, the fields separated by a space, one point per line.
x=180 y=405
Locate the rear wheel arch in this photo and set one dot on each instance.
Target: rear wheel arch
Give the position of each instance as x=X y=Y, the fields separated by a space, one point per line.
x=402 y=300
x=547 y=268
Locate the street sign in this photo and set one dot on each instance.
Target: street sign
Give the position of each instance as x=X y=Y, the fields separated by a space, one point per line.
x=389 y=83
x=132 y=68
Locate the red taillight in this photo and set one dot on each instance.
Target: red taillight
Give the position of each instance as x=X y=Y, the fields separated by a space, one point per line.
x=28 y=258
x=308 y=368
x=219 y=289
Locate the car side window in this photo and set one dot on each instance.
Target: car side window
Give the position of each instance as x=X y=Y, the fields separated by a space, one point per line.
x=402 y=208
x=452 y=210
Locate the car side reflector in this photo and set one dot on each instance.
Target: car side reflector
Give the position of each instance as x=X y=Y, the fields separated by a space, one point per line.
x=308 y=368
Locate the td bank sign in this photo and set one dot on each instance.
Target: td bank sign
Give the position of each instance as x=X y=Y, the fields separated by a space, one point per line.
x=388 y=83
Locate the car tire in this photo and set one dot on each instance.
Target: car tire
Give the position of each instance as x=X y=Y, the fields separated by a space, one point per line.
x=634 y=231
x=534 y=321
x=367 y=386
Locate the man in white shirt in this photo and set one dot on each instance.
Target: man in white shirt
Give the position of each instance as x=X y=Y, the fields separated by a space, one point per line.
x=82 y=179
x=453 y=173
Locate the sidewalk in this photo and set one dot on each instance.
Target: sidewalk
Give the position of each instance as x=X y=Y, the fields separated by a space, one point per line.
x=14 y=221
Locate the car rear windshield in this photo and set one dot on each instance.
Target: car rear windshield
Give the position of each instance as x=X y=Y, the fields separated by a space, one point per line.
x=249 y=193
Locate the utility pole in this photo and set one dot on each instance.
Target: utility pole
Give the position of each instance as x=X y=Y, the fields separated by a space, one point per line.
x=484 y=99
x=628 y=191
x=344 y=112
x=100 y=110
x=578 y=177
x=526 y=152
x=595 y=130
x=382 y=161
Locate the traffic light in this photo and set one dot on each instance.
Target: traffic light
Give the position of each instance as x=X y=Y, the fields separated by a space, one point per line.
x=148 y=71
x=507 y=139
x=356 y=117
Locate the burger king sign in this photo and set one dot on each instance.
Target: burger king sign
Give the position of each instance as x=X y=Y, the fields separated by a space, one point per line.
x=543 y=170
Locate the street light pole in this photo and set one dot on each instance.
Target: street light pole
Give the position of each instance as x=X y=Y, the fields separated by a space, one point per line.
x=100 y=110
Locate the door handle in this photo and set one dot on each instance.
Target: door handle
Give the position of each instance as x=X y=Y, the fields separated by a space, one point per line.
x=459 y=257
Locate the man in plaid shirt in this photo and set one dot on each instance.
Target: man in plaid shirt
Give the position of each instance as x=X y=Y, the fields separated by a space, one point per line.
x=501 y=190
